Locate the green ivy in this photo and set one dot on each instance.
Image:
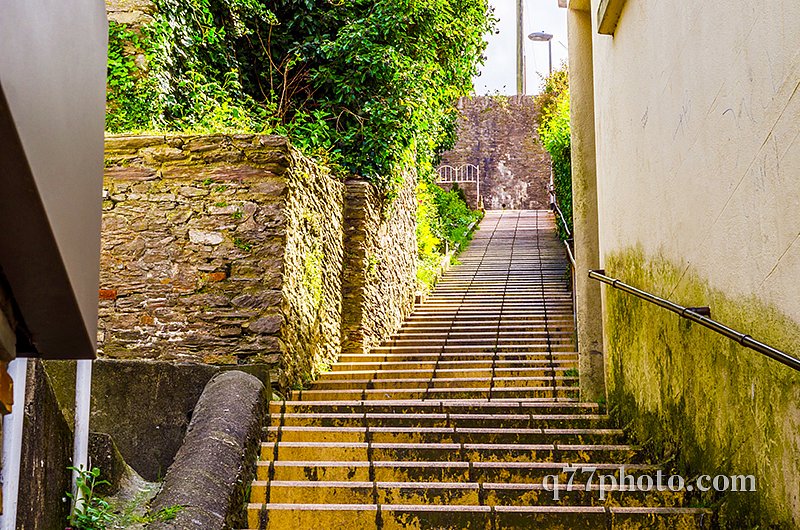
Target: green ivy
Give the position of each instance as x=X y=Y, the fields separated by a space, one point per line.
x=131 y=93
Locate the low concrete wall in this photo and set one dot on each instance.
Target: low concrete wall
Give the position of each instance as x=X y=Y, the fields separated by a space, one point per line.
x=46 y=455
x=144 y=405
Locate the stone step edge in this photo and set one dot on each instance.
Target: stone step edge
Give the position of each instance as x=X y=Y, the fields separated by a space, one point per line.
x=463 y=486
x=432 y=403
x=448 y=430
x=654 y=510
x=447 y=416
x=455 y=446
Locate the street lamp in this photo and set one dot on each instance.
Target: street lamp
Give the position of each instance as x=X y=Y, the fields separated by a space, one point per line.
x=541 y=36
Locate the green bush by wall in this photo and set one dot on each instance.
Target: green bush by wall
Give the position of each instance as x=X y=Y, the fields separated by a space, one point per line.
x=554 y=131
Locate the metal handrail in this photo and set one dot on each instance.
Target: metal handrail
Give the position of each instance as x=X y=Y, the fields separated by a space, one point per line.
x=554 y=205
x=573 y=268
x=692 y=314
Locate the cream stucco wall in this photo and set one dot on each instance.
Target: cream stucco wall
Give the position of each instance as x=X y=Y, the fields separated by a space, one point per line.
x=698 y=141
x=697 y=133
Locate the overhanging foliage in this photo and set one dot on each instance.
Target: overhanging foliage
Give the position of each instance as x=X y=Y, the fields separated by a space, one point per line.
x=368 y=85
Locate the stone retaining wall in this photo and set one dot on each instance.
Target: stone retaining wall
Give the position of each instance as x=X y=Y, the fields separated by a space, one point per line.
x=237 y=250
x=216 y=249
x=498 y=134
x=379 y=279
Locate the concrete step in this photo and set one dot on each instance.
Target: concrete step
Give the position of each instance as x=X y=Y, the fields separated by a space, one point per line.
x=434 y=419
x=439 y=393
x=400 y=471
x=460 y=435
x=440 y=354
x=435 y=452
x=440 y=381
x=456 y=493
x=448 y=517
x=544 y=370
x=474 y=406
x=560 y=362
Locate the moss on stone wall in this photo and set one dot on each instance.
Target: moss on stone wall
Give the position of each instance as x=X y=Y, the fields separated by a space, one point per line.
x=223 y=249
x=312 y=272
x=698 y=400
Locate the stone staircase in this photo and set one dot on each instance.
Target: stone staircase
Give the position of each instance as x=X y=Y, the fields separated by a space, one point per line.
x=456 y=421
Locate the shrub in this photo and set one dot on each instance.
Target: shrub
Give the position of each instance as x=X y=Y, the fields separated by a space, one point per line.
x=554 y=132
x=369 y=85
x=443 y=221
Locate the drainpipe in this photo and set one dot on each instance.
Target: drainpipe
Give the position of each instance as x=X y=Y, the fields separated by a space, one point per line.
x=83 y=394
x=12 y=444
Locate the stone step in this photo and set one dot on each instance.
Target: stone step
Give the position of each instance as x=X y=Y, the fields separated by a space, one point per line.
x=510 y=315
x=456 y=471
x=466 y=392
x=559 y=362
x=452 y=354
x=544 y=370
x=435 y=452
x=440 y=381
x=450 y=326
x=457 y=493
x=447 y=517
x=523 y=324
x=486 y=334
x=467 y=435
x=475 y=406
x=433 y=419
x=486 y=348
x=486 y=343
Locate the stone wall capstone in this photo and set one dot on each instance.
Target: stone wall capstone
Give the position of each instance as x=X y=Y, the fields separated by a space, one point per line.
x=498 y=134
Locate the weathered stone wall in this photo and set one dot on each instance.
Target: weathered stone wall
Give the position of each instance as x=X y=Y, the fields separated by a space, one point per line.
x=205 y=242
x=498 y=134
x=237 y=250
x=312 y=281
x=380 y=263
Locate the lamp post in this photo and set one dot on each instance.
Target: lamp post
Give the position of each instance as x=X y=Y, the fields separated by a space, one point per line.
x=541 y=36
